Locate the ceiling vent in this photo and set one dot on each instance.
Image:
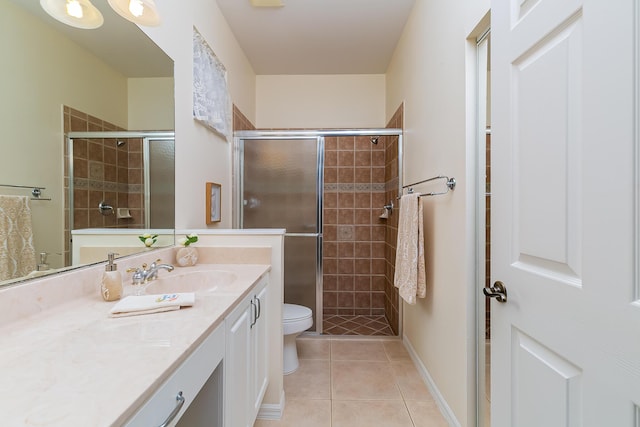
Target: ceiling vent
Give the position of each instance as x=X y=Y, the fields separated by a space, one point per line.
x=266 y=3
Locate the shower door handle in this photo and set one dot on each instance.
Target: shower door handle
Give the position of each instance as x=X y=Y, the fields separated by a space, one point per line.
x=497 y=291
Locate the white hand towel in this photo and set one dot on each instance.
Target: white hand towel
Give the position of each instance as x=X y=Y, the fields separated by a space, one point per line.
x=410 y=277
x=146 y=304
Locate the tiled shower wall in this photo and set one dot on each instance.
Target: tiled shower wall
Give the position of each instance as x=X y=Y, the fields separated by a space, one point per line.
x=240 y=121
x=102 y=171
x=391 y=172
x=354 y=237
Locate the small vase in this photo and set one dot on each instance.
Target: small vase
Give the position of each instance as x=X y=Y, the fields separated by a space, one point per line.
x=187 y=256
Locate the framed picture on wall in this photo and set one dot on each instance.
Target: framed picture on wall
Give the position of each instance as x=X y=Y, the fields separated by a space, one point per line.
x=213 y=196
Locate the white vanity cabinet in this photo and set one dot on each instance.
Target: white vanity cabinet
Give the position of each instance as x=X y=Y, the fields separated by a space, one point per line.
x=246 y=356
x=197 y=378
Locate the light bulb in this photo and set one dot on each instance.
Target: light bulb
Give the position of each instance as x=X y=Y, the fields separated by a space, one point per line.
x=74 y=9
x=136 y=8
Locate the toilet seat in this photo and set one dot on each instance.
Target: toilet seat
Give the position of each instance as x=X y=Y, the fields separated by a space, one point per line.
x=293 y=312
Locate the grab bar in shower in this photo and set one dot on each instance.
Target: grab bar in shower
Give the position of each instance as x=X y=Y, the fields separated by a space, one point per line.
x=36 y=191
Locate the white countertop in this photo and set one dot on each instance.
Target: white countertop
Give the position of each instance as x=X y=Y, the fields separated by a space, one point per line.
x=73 y=365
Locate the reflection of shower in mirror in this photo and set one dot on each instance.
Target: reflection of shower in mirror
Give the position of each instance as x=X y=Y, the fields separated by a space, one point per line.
x=119 y=171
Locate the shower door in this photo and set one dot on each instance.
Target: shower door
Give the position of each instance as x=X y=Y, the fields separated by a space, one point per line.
x=159 y=181
x=281 y=181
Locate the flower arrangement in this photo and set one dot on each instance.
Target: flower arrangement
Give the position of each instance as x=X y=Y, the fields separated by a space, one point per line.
x=148 y=239
x=188 y=239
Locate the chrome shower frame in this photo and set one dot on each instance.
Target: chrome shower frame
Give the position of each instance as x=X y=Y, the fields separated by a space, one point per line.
x=237 y=189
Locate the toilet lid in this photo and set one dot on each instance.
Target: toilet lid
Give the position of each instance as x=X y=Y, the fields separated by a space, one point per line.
x=293 y=312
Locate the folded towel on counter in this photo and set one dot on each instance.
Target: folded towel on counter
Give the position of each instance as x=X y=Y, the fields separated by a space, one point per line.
x=410 y=276
x=147 y=304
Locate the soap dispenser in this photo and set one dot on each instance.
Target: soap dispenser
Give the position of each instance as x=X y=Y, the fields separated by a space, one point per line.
x=111 y=286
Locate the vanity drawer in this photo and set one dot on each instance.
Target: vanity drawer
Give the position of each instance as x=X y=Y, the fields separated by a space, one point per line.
x=189 y=378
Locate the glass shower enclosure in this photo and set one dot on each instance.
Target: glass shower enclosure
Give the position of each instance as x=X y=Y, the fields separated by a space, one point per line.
x=281 y=187
x=129 y=169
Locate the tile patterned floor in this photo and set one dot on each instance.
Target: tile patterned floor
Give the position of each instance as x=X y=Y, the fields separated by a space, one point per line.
x=355 y=382
x=356 y=325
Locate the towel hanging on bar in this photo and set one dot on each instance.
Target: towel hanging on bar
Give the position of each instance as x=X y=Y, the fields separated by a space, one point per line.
x=17 y=254
x=410 y=276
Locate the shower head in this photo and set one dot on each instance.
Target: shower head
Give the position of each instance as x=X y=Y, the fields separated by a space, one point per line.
x=374 y=140
x=120 y=143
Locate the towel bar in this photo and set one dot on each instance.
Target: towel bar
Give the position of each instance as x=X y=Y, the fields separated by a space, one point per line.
x=36 y=191
x=450 y=183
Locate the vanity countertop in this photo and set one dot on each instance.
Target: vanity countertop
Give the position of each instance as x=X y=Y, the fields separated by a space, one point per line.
x=73 y=365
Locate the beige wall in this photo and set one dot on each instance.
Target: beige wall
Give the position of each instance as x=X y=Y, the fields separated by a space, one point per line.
x=150 y=103
x=39 y=74
x=429 y=74
x=320 y=101
x=201 y=155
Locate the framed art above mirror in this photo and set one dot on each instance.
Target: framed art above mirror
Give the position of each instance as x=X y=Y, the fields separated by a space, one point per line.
x=57 y=79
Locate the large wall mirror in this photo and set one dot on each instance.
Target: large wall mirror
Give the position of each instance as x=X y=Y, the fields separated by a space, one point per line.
x=57 y=81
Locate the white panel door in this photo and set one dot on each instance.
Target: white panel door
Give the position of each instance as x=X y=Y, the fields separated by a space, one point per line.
x=566 y=344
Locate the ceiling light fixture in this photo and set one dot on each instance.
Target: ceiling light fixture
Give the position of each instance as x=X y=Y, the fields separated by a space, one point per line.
x=142 y=12
x=83 y=14
x=266 y=3
x=76 y=13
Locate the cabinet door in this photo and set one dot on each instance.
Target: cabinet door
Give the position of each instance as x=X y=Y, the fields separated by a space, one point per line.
x=259 y=351
x=237 y=367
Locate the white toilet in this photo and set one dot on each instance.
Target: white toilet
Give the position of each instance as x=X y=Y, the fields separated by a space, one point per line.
x=295 y=320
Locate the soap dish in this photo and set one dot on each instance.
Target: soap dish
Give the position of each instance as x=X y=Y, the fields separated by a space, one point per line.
x=123 y=213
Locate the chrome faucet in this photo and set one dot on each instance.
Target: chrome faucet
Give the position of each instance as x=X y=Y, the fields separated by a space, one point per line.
x=142 y=275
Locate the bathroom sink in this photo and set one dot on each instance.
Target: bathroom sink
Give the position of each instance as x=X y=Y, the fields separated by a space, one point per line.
x=202 y=282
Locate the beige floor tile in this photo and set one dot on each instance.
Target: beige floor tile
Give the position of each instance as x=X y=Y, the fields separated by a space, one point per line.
x=358 y=350
x=314 y=348
x=370 y=413
x=363 y=380
x=384 y=392
x=426 y=414
x=299 y=413
x=410 y=382
x=312 y=380
x=396 y=350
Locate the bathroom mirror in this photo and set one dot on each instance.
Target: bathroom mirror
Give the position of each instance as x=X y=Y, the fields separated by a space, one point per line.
x=57 y=79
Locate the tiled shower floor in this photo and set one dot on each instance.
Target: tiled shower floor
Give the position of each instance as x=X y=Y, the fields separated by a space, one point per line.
x=356 y=325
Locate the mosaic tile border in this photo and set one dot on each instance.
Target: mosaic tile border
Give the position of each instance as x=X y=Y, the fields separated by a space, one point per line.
x=90 y=184
x=356 y=188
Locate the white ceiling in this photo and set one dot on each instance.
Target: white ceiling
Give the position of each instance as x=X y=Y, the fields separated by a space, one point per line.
x=318 y=36
x=119 y=43
x=303 y=37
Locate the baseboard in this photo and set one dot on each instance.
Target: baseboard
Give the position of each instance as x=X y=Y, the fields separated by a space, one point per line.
x=272 y=411
x=446 y=411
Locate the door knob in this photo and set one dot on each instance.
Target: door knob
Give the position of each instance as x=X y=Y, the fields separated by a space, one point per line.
x=497 y=291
